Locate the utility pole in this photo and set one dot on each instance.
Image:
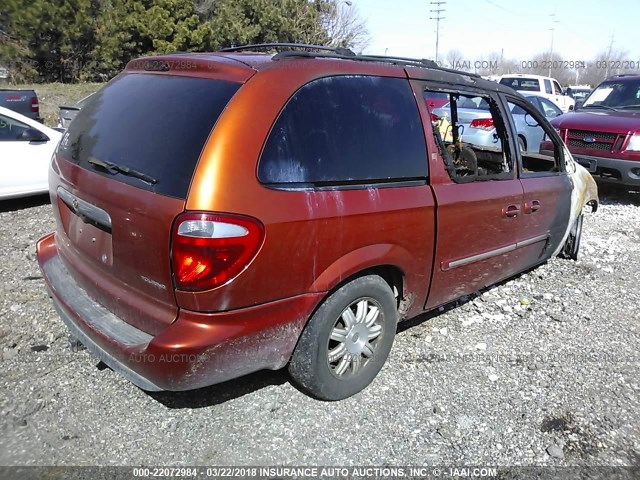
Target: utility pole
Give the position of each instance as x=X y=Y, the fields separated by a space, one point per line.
x=553 y=31
x=437 y=11
x=606 y=72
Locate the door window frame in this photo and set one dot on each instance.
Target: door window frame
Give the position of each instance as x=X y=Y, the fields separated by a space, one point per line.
x=557 y=88
x=507 y=143
x=551 y=133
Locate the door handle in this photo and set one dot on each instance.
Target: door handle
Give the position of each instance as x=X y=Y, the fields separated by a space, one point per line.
x=511 y=211
x=531 y=207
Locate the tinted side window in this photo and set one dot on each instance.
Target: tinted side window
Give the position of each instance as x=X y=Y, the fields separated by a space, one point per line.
x=155 y=124
x=547 y=87
x=346 y=129
x=517 y=83
x=10 y=129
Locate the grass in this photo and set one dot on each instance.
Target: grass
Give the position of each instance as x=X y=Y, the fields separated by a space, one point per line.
x=52 y=95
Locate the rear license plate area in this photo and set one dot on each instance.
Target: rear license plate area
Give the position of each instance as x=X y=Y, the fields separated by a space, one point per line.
x=87 y=235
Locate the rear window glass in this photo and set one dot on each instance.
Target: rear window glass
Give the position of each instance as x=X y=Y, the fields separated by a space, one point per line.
x=154 y=124
x=347 y=130
x=527 y=84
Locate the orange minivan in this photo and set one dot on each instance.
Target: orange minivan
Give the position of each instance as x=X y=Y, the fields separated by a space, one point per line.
x=222 y=213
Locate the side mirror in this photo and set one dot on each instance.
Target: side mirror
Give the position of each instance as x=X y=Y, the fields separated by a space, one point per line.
x=571 y=107
x=33 y=135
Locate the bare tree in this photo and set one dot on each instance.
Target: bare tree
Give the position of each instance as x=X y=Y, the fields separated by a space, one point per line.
x=455 y=59
x=606 y=64
x=345 y=27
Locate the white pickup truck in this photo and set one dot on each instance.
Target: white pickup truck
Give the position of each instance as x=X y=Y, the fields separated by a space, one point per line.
x=544 y=86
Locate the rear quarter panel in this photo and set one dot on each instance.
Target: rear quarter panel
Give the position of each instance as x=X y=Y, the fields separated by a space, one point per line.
x=314 y=238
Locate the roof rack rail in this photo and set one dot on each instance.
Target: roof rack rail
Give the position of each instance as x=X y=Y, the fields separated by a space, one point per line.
x=339 y=50
x=404 y=61
x=422 y=61
x=321 y=51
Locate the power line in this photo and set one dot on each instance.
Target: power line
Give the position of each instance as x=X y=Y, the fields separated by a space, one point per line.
x=508 y=10
x=438 y=16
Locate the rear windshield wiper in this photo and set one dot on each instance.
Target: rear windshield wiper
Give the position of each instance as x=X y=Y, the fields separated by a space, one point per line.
x=115 y=168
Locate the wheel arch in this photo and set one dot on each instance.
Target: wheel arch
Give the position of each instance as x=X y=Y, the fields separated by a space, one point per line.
x=388 y=261
x=524 y=140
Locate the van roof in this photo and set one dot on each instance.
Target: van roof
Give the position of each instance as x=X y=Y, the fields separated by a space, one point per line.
x=244 y=61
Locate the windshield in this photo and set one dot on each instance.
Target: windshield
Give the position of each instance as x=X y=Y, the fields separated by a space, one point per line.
x=615 y=94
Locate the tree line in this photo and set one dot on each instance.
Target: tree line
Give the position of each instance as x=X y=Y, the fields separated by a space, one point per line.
x=92 y=40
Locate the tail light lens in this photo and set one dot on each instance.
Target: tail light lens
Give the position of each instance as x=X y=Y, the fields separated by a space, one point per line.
x=35 y=106
x=482 y=123
x=208 y=250
x=434 y=118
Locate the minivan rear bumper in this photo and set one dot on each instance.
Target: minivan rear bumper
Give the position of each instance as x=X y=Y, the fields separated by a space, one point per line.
x=197 y=350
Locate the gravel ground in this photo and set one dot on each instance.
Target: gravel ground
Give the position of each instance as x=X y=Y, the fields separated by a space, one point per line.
x=540 y=370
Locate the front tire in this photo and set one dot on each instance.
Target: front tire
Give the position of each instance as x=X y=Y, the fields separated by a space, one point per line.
x=347 y=340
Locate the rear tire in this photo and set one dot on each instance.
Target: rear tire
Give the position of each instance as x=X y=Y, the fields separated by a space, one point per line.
x=572 y=245
x=347 y=340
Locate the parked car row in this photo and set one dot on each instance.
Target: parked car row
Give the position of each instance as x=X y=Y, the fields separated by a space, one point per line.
x=544 y=86
x=602 y=129
x=604 y=133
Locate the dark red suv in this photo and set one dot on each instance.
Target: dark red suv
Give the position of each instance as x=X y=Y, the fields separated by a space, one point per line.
x=604 y=133
x=222 y=213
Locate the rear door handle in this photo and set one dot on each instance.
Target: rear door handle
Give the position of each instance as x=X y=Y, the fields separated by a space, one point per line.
x=531 y=207
x=511 y=211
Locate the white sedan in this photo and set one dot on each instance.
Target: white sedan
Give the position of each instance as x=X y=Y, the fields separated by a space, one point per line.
x=26 y=147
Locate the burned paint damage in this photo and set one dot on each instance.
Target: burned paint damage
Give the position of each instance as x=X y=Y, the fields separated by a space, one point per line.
x=584 y=192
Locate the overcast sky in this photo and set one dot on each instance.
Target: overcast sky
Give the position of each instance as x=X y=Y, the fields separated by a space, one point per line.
x=522 y=28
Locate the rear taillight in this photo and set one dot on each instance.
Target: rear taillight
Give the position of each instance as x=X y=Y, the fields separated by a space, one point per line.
x=35 y=106
x=483 y=123
x=434 y=118
x=208 y=250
